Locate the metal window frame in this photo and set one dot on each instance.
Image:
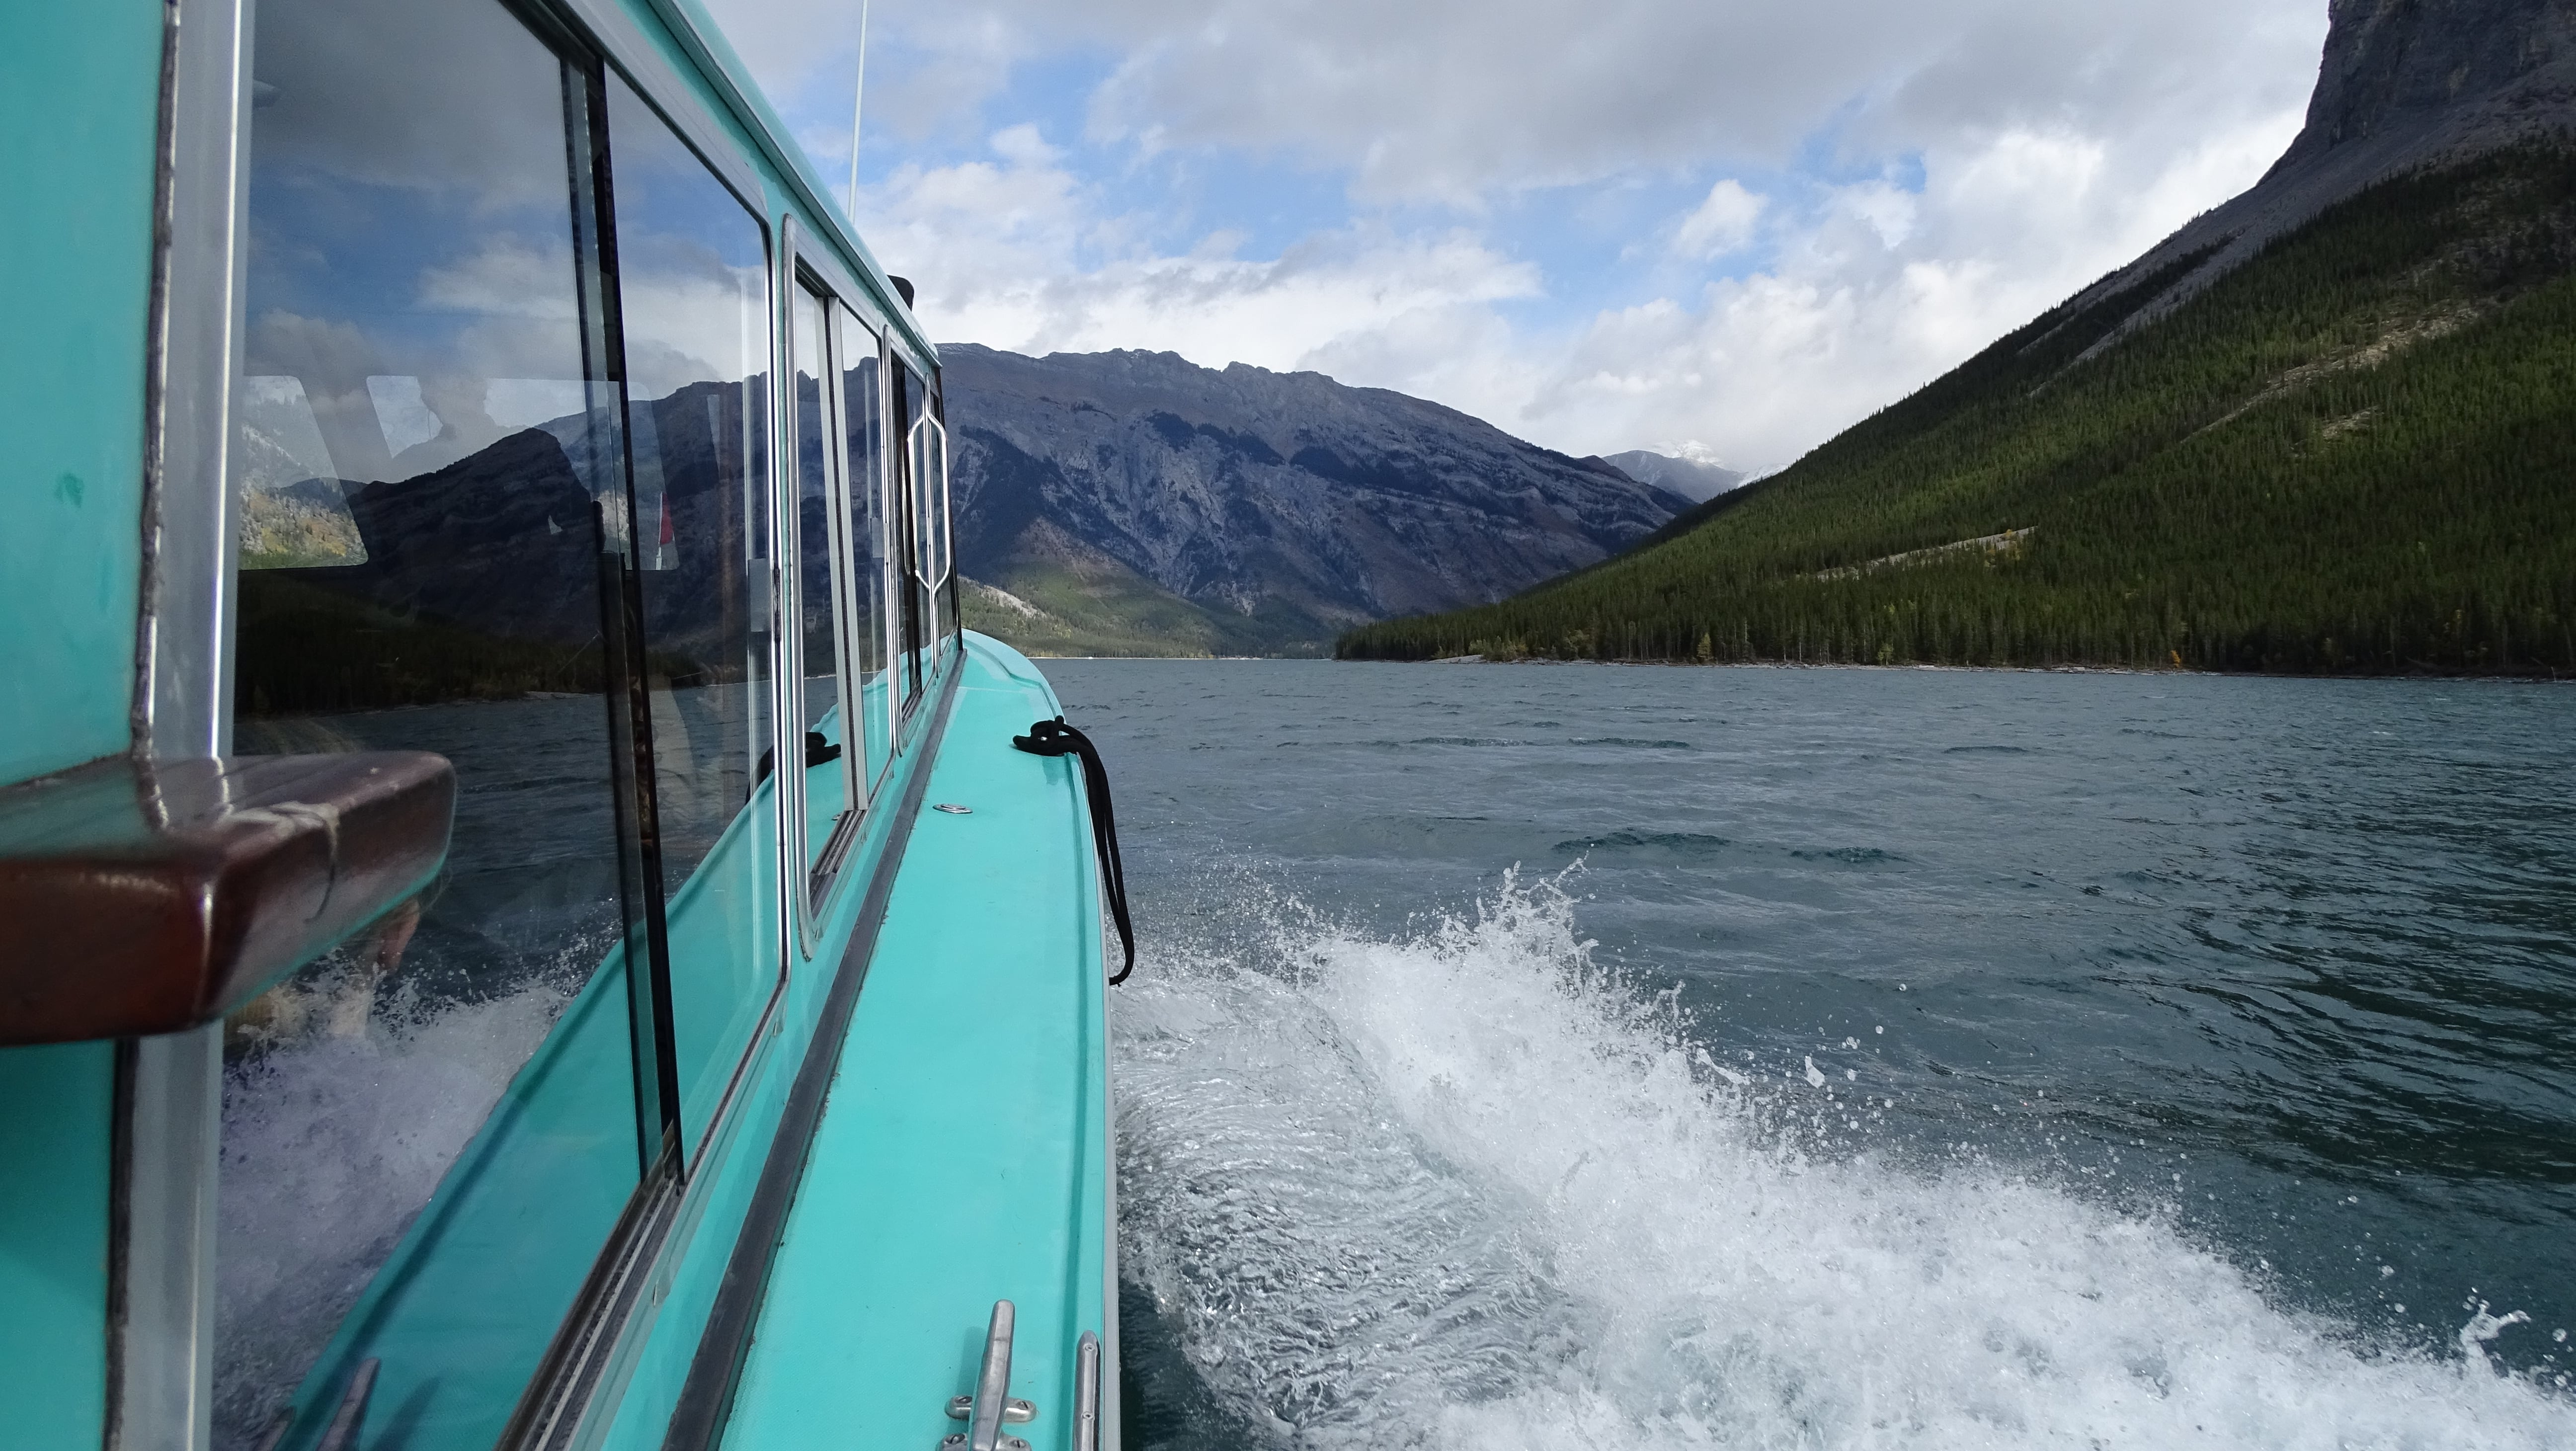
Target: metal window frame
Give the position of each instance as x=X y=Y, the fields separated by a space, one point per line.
x=911 y=643
x=840 y=294
x=880 y=762
x=762 y=488
x=816 y=274
x=786 y=160
x=625 y=47
x=169 y=1090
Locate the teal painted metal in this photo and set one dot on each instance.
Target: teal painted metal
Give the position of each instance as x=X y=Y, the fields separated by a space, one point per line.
x=986 y=971
x=78 y=96
x=55 y=1117
x=79 y=88
x=644 y=1388
x=963 y=1156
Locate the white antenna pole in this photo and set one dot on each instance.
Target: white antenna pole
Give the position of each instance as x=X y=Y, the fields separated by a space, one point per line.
x=858 y=96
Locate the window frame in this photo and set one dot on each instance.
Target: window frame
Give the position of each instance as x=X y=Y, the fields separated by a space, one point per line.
x=589 y=42
x=731 y=175
x=930 y=433
x=192 y=414
x=917 y=637
x=814 y=270
x=873 y=772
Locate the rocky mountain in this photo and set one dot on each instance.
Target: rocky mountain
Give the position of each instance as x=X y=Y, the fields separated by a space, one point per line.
x=2404 y=85
x=1136 y=503
x=1693 y=480
x=2326 y=427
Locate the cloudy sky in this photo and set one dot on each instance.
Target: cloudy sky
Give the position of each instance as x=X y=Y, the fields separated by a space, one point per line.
x=1723 y=227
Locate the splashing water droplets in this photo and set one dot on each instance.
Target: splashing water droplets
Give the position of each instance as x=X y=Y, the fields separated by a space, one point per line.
x=1468 y=1188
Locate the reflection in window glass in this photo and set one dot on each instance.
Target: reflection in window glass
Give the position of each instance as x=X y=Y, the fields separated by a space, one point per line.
x=946 y=603
x=863 y=415
x=818 y=608
x=930 y=494
x=693 y=288
x=292 y=510
x=428 y=1135
x=912 y=626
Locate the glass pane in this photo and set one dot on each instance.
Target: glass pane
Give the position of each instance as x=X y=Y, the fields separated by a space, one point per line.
x=925 y=503
x=826 y=783
x=693 y=290
x=863 y=415
x=934 y=504
x=428 y=1135
x=293 y=511
x=913 y=630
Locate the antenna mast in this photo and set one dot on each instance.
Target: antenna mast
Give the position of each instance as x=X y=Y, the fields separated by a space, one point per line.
x=858 y=97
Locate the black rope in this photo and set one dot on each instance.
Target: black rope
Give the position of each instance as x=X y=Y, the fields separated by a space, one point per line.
x=818 y=751
x=1055 y=738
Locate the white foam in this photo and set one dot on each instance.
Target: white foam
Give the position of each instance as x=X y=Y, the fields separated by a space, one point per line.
x=334 y=1139
x=1469 y=1189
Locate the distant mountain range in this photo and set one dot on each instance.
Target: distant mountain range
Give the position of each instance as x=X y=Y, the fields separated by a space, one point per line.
x=1135 y=503
x=1693 y=480
x=2328 y=426
x=1114 y=503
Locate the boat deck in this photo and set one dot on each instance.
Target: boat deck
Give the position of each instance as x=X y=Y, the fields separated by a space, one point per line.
x=961 y=1156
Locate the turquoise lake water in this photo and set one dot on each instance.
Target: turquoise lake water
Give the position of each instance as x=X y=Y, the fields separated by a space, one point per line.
x=1597 y=1056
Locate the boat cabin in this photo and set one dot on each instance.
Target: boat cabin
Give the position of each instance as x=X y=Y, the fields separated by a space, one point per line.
x=522 y=923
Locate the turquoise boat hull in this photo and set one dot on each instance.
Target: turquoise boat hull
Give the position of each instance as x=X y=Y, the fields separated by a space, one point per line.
x=829 y=1080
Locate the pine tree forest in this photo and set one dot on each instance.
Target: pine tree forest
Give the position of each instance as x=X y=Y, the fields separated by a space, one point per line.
x=2355 y=454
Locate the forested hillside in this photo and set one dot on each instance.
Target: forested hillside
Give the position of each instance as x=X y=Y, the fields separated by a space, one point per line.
x=2354 y=452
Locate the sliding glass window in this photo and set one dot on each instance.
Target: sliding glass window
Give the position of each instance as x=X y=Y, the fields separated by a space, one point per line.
x=868 y=479
x=930 y=501
x=693 y=292
x=826 y=774
x=430 y=1134
x=913 y=627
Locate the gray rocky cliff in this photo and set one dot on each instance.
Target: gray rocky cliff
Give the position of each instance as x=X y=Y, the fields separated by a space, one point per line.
x=1246 y=492
x=2403 y=84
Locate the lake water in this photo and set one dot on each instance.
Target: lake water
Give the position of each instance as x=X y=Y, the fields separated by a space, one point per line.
x=1559 y=1056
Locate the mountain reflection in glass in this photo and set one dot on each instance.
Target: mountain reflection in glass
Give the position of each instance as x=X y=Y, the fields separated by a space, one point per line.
x=428 y=1135
x=827 y=796
x=693 y=286
x=910 y=586
x=863 y=429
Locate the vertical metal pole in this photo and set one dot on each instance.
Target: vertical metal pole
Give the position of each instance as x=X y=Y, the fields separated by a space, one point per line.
x=858 y=99
x=170 y=1089
x=164 y=1327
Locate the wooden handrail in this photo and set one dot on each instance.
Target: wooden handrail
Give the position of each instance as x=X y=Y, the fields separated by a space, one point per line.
x=140 y=898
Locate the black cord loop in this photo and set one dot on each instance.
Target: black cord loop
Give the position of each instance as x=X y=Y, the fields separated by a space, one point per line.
x=1055 y=738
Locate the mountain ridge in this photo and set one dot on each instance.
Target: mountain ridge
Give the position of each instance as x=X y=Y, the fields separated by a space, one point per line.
x=1273 y=509
x=2321 y=428
x=1693 y=480
x=2402 y=85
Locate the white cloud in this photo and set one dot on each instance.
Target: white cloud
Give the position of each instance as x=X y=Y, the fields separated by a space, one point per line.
x=1720 y=225
x=1917 y=178
x=1018 y=254
x=508 y=275
x=1868 y=300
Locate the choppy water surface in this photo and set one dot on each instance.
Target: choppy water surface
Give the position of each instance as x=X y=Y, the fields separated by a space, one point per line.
x=1573 y=1056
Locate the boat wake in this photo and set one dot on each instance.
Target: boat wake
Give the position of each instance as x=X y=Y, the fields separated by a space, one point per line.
x=1467 y=1187
x=334 y=1138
